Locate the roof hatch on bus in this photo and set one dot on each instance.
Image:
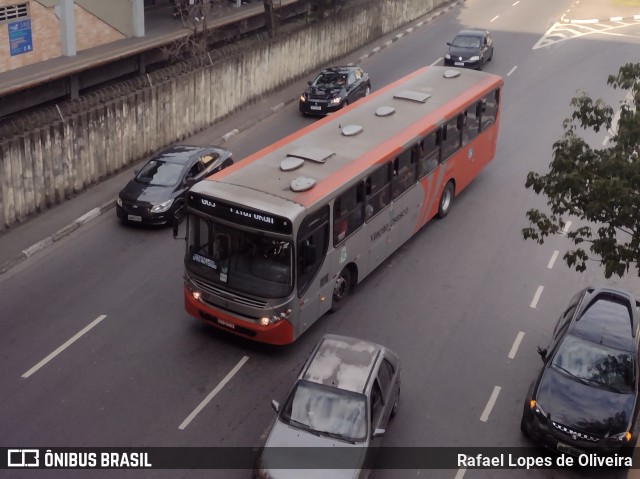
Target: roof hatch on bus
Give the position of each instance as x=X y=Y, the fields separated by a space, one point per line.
x=302 y=183
x=352 y=130
x=385 y=111
x=451 y=73
x=317 y=155
x=416 y=96
x=290 y=164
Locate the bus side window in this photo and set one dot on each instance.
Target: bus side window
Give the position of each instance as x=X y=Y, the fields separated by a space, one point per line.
x=452 y=137
x=348 y=213
x=471 y=126
x=404 y=173
x=312 y=247
x=378 y=190
x=430 y=153
x=489 y=109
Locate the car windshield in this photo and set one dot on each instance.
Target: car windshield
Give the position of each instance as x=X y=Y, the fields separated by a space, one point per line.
x=325 y=409
x=464 y=41
x=329 y=80
x=238 y=260
x=159 y=173
x=599 y=365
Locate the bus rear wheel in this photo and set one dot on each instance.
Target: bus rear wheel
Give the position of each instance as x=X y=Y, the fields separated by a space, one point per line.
x=341 y=289
x=445 y=200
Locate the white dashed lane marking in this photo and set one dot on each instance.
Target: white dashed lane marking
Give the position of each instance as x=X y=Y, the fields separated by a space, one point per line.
x=536 y=297
x=516 y=345
x=490 y=404
x=553 y=259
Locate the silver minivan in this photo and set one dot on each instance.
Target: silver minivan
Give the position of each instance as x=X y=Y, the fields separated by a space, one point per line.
x=337 y=411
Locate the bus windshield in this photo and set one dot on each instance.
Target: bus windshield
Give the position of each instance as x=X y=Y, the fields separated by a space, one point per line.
x=246 y=262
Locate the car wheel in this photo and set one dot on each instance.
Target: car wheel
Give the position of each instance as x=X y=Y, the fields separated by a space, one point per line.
x=345 y=104
x=446 y=199
x=490 y=56
x=396 y=404
x=367 y=92
x=341 y=289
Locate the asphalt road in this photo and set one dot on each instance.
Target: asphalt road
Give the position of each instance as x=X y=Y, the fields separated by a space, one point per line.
x=464 y=302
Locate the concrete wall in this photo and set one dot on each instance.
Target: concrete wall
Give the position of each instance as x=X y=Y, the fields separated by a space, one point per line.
x=43 y=167
x=45 y=32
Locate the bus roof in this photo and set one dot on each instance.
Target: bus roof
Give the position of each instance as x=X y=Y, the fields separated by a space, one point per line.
x=260 y=182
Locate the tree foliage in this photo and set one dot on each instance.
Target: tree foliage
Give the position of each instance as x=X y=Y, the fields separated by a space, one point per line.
x=599 y=186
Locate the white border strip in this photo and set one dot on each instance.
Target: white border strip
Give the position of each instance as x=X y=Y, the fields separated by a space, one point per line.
x=64 y=346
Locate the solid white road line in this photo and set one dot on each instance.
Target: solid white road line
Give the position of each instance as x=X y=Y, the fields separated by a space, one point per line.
x=490 y=404
x=516 y=345
x=512 y=70
x=460 y=473
x=213 y=393
x=567 y=225
x=436 y=62
x=536 y=297
x=64 y=346
x=553 y=259
x=495 y=18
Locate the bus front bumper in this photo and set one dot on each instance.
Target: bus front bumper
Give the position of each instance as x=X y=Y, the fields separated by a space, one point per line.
x=279 y=333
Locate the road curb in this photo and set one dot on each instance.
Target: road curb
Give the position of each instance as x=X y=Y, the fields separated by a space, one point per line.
x=96 y=212
x=57 y=236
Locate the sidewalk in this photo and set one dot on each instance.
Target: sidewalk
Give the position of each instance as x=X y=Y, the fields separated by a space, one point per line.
x=596 y=11
x=160 y=28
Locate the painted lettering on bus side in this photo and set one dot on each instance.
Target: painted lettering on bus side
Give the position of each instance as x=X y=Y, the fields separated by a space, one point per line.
x=376 y=235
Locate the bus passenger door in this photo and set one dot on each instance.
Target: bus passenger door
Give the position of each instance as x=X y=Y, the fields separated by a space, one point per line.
x=314 y=288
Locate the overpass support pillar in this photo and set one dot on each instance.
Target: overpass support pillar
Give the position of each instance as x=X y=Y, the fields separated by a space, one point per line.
x=67 y=28
x=138 y=17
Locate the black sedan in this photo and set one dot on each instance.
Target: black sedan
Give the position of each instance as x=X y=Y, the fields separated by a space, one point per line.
x=585 y=398
x=159 y=189
x=333 y=89
x=470 y=48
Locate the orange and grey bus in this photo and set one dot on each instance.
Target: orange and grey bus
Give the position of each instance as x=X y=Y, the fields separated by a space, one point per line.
x=282 y=237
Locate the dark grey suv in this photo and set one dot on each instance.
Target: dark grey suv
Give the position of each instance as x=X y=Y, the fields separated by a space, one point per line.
x=341 y=403
x=585 y=398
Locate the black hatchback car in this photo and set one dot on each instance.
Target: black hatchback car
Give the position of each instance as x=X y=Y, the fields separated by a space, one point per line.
x=159 y=189
x=585 y=398
x=334 y=88
x=470 y=48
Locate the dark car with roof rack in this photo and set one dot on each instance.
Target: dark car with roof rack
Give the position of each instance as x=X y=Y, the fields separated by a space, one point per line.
x=333 y=89
x=585 y=398
x=338 y=410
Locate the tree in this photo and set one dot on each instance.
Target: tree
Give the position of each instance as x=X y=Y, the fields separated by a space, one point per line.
x=195 y=16
x=598 y=186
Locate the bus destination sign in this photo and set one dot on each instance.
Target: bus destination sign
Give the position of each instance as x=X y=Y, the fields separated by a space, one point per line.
x=246 y=216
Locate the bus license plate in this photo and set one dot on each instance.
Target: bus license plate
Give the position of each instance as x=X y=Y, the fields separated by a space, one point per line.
x=315 y=107
x=226 y=324
x=569 y=450
x=458 y=64
x=134 y=218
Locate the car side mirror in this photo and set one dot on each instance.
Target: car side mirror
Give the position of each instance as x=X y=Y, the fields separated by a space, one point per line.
x=309 y=82
x=542 y=352
x=136 y=171
x=275 y=405
x=449 y=43
x=378 y=432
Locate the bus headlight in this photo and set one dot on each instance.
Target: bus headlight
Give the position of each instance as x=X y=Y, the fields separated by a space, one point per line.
x=265 y=321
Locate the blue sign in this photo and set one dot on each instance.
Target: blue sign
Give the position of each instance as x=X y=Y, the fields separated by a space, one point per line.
x=20 y=40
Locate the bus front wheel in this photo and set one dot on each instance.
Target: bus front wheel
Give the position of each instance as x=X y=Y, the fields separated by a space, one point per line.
x=445 y=200
x=341 y=289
